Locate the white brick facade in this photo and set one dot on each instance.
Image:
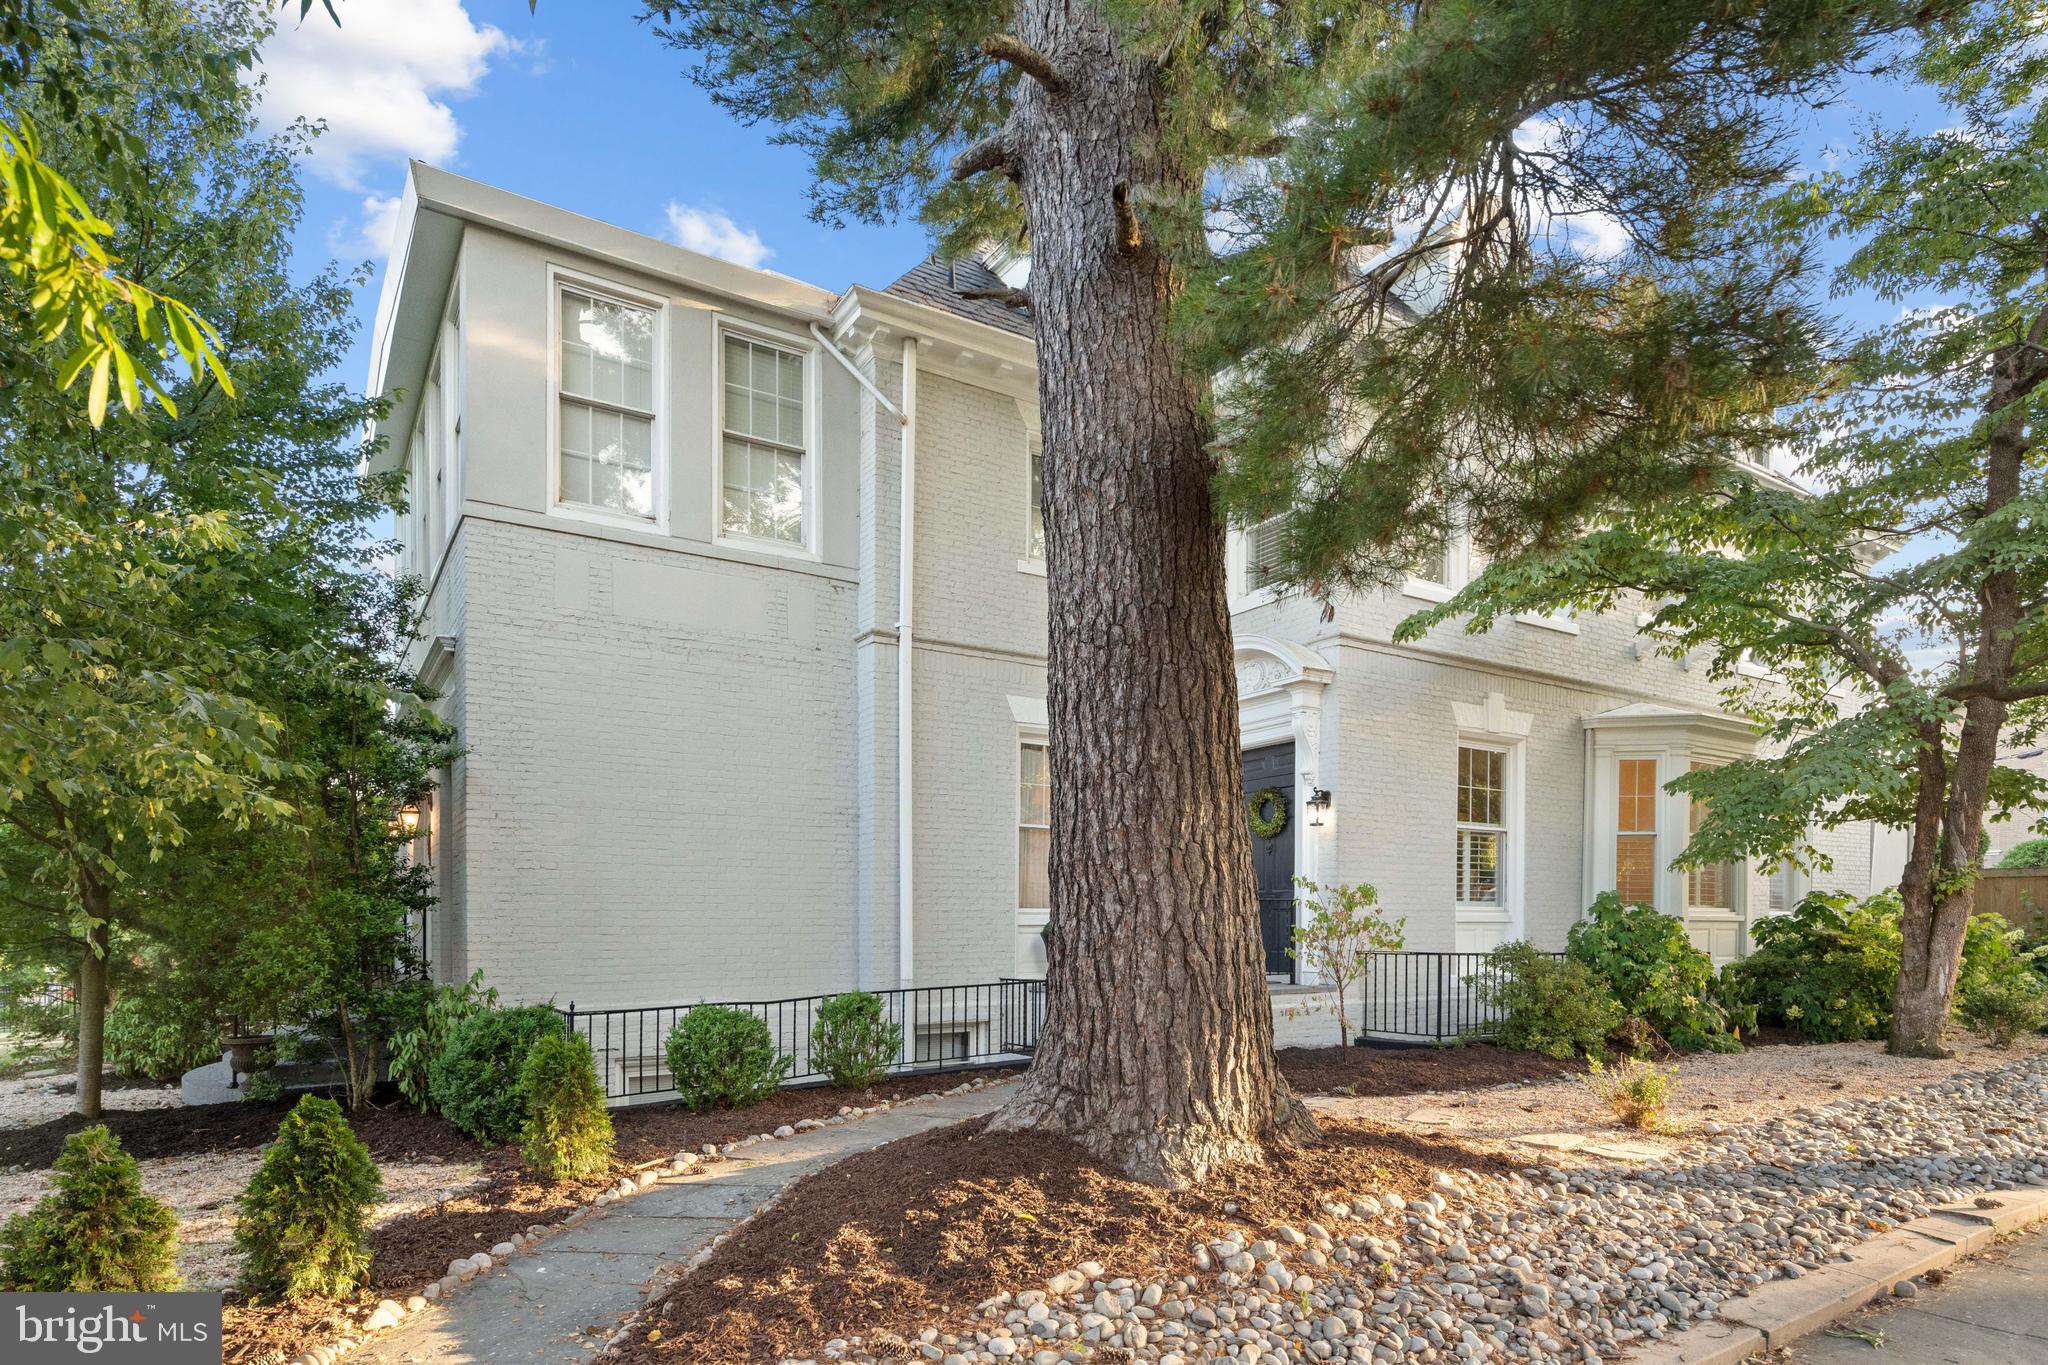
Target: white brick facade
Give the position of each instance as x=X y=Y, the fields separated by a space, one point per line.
x=680 y=769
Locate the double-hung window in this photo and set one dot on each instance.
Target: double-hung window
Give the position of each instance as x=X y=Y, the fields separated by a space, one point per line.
x=1034 y=827
x=1711 y=887
x=1482 y=825
x=606 y=404
x=1034 y=515
x=1262 y=554
x=1635 y=832
x=764 y=441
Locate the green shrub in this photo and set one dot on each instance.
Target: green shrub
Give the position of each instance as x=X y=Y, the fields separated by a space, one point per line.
x=1637 y=1091
x=850 y=1040
x=150 y=1036
x=96 y=1232
x=723 y=1057
x=1554 y=1006
x=2026 y=853
x=2001 y=1012
x=301 y=1226
x=1653 y=969
x=1998 y=991
x=475 y=1078
x=437 y=1012
x=1826 y=969
x=568 y=1133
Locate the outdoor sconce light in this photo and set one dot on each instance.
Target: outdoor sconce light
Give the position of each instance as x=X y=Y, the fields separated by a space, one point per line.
x=408 y=822
x=1318 y=803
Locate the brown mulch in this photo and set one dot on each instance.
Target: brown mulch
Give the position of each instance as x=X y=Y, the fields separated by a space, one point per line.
x=916 y=1231
x=412 y=1249
x=397 y=1133
x=1413 y=1070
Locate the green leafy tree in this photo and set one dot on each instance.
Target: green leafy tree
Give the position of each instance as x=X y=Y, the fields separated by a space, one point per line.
x=2026 y=853
x=1102 y=134
x=97 y=1231
x=1925 y=428
x=1345 y=927
x=194 y=649
x=301 y=1229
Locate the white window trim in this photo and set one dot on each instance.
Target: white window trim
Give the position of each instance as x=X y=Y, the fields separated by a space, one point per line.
x=1027 y=736
x=1502 y=907
x=454 y=403
x=559 y=277
x=1238 y=568
x=1491 y=724
x=1458 y=565
x=806 y=545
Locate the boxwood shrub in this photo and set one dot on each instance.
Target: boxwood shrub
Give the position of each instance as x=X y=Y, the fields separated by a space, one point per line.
x=475 y=1080
x=1547 y=1004
x=723 y=1057
x=851 y=1041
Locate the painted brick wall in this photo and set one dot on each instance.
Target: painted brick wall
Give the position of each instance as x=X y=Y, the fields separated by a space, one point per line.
x=659 y=787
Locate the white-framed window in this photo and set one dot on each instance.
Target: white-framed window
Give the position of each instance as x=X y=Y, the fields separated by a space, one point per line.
x=1784 y=888
x=1711 y=887
x=1482 y=826
x=1635 y=831
x=607 y=387
x=1262 y=554
x=1034 y=826
x=764 y=456
x=1034 y=506
x=454 y=400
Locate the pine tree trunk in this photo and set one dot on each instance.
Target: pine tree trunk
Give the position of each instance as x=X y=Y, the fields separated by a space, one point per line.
x=92 y=995
x=1157 y=1050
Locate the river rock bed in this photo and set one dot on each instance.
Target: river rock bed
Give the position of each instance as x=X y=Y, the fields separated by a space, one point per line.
x=1543 y=1265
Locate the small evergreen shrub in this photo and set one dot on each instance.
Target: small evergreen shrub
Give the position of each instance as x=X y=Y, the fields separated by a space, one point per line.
x=568 y=1132
x=1549 y=1005
x=475 y=1079
x=436 y=1015
x=1653 y=969
x=723 y=1058
x=96 y=1232
x=1637 y=1091
x=301 y=1226
x=851 y=1041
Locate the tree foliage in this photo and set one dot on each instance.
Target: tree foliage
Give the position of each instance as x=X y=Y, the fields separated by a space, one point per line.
x=1894 y=681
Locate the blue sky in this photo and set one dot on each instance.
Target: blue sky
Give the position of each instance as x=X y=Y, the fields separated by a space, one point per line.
x=577 y=104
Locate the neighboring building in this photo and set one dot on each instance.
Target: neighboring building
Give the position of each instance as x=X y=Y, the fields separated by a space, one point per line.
x=658 y=504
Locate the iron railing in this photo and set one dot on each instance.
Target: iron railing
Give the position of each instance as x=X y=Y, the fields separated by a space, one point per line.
x=1433 y=996
x=943 y=1028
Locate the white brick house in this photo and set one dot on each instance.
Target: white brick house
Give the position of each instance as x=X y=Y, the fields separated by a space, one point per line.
x=658 y=504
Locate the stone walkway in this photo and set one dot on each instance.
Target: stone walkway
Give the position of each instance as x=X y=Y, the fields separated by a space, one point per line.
x=564 y=1302
x=1991 y=1311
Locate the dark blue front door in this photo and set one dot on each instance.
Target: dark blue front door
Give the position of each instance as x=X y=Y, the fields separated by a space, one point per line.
x=1273 y=859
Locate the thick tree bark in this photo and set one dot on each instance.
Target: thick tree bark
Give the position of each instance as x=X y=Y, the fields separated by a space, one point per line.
x=1157 y=1051
x=92 y=994
x=1939 y=890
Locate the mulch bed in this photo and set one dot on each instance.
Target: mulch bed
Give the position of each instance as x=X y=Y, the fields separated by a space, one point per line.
x=410 y=1250
x=911 y=1233
x=397 y=1133
x=1413 y=1070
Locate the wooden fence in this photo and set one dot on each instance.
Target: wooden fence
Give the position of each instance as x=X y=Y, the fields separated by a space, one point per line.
x=2018 y=893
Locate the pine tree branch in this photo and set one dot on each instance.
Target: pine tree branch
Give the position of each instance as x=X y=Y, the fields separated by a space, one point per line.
x=992 y=153
x=1009 y=298
x=1008 y=48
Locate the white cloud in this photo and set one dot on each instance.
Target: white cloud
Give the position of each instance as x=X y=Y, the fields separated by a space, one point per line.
x=715 y=234
x=371 y=236
x=381 y=81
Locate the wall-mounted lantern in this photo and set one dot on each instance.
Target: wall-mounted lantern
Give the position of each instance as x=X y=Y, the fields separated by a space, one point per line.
x=1318 y=806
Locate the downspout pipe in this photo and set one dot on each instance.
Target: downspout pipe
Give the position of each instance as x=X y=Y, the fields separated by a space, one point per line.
x=905 y=638
x=906 y=416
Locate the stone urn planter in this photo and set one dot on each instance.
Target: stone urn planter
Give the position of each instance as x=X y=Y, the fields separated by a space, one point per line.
x=241 y=1049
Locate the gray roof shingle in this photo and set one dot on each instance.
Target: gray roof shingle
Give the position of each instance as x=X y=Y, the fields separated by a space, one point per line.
x=938 y=283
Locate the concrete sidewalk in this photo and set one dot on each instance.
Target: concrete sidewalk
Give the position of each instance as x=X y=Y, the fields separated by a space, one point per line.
x=1991 y=1310
x=564 y=1302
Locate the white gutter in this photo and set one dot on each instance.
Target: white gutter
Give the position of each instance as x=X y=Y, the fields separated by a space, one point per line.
x=906 y=583
x=906 y=563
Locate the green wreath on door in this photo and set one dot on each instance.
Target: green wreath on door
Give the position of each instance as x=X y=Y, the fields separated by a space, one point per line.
x=1264 y=825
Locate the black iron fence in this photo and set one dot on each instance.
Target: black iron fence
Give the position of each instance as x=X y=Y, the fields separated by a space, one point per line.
x=943 y=1028
x=1433 y=996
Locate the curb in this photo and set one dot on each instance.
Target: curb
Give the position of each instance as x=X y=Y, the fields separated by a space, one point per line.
x=1782 y=1311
